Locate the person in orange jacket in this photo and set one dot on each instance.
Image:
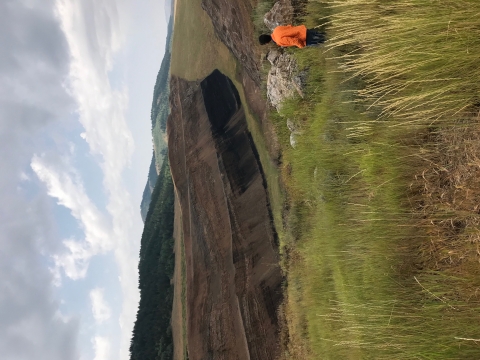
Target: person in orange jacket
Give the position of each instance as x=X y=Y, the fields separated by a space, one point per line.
x=289 y=35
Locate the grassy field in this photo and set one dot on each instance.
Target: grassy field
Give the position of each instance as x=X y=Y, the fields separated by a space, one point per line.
x=383 y=224
x=196 y=52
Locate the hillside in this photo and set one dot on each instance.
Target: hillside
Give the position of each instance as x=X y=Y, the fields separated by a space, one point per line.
x=224 y=164
x=152 y=333
x=228 y=281
x=233 y=277
x=159 y=113
x=383 y=183
x=147 y=193
x=357 y=241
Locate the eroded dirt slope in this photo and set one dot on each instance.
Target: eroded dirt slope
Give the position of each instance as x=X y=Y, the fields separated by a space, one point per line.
x=233 y=25
x=233 y=276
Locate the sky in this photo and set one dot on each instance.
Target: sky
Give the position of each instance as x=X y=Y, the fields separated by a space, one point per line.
x=76 y=86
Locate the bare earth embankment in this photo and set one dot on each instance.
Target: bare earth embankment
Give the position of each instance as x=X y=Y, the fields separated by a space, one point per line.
x=233 y=279
x=233 y=276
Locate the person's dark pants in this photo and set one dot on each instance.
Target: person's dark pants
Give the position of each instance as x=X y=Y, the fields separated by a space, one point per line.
x=315 y=37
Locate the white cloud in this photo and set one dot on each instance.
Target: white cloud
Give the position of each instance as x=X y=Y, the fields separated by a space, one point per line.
x=102 y=347
x=95 y=33
x=100 y=309
x=92 y=48
x=64 y=184
x=45 y=73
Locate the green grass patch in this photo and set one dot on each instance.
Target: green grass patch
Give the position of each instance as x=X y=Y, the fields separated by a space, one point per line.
x=361 y=284
x=196 y=50
x=258 y=16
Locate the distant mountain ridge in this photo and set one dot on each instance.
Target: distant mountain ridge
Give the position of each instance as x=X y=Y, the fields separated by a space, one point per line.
x=158 y=117
x=168 y=6
x=152 y=333
x=147 y=193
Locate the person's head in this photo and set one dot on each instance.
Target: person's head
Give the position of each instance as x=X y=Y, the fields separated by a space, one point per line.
x=264 y=39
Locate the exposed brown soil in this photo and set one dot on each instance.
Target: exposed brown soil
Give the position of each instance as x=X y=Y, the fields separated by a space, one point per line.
x=233 y=25
x=233 y=277
x=232 y=22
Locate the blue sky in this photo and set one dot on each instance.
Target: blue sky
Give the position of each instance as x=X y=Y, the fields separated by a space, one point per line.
x=76 y=86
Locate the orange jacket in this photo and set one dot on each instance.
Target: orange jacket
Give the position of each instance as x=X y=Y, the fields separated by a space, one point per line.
x=290 y=36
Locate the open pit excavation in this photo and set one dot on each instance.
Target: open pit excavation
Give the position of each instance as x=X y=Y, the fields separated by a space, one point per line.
x=233 y=277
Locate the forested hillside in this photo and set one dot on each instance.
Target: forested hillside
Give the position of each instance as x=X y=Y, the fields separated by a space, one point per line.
x=159 y=113
x=147 y=192
x=152 y=333
x=160 y=105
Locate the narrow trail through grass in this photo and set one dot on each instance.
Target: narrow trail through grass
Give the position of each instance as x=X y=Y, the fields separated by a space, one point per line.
x=382 y=237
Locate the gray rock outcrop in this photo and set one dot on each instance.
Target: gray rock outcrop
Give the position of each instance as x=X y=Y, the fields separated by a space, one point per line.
x=284 y=80
x=280 y=14
x=294 y=132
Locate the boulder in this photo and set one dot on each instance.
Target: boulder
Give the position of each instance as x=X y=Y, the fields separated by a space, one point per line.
x=283 y=80
x=280 y=14
x=294 y=132
x=291 y=126
x=293 y=140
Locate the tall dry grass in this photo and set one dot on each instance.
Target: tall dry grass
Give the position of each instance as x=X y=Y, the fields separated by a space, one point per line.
x=383 y=222
x=419 y=58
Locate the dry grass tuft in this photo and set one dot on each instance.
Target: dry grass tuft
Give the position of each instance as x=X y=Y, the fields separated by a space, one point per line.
x=448 y=197
x=419 y=58
x=384 y=185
